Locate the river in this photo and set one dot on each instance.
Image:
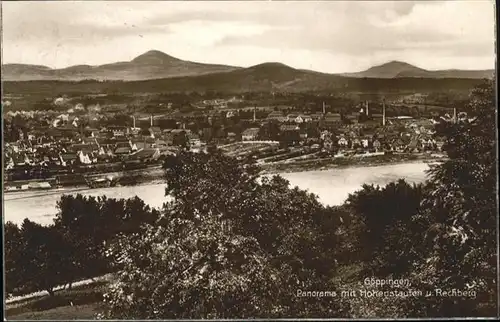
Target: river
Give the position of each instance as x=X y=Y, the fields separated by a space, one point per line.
x=331 y=186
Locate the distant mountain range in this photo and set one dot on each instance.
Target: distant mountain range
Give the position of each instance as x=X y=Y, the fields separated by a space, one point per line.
x=158 y=65
x=150 y=65
x=397 y=69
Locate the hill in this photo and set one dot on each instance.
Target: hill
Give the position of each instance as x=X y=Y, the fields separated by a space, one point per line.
x=260 y=78
x=150 y=65
x=397 y=69
x=155 y=64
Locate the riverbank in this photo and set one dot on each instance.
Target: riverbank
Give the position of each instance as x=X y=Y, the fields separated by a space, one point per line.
x=121 y=178
x=332 y=186
x=348 y=162
x=154 y=175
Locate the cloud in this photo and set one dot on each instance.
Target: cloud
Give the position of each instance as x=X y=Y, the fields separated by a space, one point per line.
x=69 y=23
x=400 y=26
x=355 y=33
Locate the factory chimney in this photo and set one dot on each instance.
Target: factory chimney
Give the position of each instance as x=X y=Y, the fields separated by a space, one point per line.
x=454 y=115
x=151 y=120
x=254 y=113
x=383 y=112
x=366 y=109
x=324 y=108
x=133 y=117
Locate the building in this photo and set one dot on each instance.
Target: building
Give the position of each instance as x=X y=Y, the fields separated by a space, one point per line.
x=119 y=130
x=325 y=135
x=194 y=142
x=91 y=132
x=342 y=142
x=316 y=116
x=355 y=143
x=232 y=136
x=328 y=144
x=331 y=120
x=277 y=116
x=352 y=118
x=250 y=134
x=86 y=148
x=84 y=158
x=122 y=150
x=303 y=118
x=289 y=127
x=155 y=132
x=146 y=155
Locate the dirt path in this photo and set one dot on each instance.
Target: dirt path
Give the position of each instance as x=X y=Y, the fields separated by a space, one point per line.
x=19 y=300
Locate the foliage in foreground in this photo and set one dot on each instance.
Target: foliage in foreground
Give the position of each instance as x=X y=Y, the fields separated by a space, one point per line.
x=226 y=246
x=460 y=212
x=42 y=257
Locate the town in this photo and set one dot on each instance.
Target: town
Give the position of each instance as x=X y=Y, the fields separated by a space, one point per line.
x=62 y=146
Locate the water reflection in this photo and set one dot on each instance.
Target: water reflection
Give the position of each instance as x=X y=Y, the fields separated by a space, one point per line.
x=331 y=186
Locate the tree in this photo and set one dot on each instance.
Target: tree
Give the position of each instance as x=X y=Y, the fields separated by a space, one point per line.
x=270 y=131
x=386 y=229
x=145 y=132
x=43 y=258
x=460 y=211
x=227 y=245
x=88 y=223
x=13 y=248
x=79 y=222
x=312 y=130
x=289 y=138
x=120 y=119
x=180 y=139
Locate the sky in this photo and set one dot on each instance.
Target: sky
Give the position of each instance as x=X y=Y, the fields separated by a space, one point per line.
x=328 y=36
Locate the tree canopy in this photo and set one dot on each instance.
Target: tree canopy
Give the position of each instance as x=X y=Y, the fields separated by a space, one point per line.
x=233 y=244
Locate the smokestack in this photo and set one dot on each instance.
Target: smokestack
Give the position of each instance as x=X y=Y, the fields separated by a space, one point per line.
x=383 y=112
x=454 y=115
x=133 y=117
x=151 y=120
x=366 y=109
x=254 y=113
x=324 y=108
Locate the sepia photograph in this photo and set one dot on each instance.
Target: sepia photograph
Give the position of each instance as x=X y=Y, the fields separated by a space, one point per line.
x=229 y=160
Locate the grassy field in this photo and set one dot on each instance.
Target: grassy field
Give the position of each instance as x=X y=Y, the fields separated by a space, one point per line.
x=82 y=302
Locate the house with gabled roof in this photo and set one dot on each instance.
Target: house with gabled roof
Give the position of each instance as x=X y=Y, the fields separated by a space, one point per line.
x=331 y=120
x=85 y=147
x=289 y=127
x=68 y=158
x=122 y=150
x=250 y=134
x=343 y=142
x=316 y=116
x=306 y=118
x=275 y=115
x=146 y=155
x=355 y=143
